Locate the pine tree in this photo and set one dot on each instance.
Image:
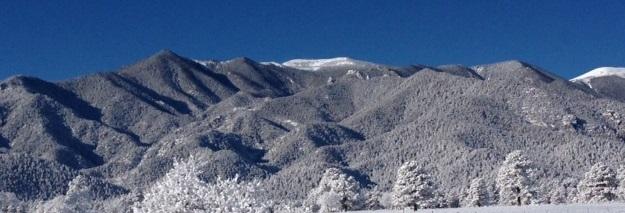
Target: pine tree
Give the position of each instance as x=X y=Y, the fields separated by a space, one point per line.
x=372 y=199
x=558 y=195
x=477 y=194
x=516 y=180
x=599 y=185
x=414 y=188
x=336 y=192
x=564 y=192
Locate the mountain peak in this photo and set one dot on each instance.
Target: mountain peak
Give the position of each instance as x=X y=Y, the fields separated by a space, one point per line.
x=163 y=55
x=244 y=60
x=156 y=62
x=514 y=64
x=317 y=64
x=20 y=80
x=515 y=69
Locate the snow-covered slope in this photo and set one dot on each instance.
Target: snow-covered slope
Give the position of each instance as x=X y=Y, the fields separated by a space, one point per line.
x=317 y=64
x=206 y=63
x=600 y=72
x=271 y=63
x=607 y=81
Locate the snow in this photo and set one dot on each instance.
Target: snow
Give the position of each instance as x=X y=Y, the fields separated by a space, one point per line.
x=330 y=80
x=317 y=64
x=569 y=208
x=272 y=63
x=181 y=190
x=292 y=123
x=600 y=72
x=206 y=63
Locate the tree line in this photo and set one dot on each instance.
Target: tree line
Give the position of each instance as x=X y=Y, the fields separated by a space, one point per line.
x=181 y=190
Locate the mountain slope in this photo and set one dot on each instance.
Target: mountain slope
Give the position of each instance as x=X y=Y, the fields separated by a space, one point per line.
x=286 y=123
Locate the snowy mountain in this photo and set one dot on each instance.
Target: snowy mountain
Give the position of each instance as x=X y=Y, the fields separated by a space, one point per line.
x=601 y=72
x=607 y=81
x=117 y=133
x=321 y=64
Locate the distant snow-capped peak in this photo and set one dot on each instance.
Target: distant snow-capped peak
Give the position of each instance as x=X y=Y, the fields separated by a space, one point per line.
x=601 y=72
x=316 y=64
x=271 y=63
x=206 y=62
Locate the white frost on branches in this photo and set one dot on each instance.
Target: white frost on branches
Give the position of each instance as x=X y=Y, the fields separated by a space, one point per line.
x=599 y=185
x=336 y=192
x=478 y=194
x=414 y=188
x=516 y=180
x=181 y=190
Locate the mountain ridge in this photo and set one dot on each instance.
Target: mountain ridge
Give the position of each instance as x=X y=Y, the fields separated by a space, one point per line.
x=286 y=125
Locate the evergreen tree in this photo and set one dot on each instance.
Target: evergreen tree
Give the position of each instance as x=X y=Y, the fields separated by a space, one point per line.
x=414 y=188
x=558 y=195
x=564 y=192
x=599 y=185
x=336 y=192
x=516 y=179
x=477 y=194
x=372 y=199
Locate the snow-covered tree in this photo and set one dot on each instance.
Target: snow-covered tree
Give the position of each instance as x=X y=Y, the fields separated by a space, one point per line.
x=336 y=191
x=558 y=195
x=477 y=195
x=452 y=201
x=373 y=199
x=620 y=175
x=563 y=191
x=180 y=190
x=414 y=188
x=599 y=185
x=516 y=180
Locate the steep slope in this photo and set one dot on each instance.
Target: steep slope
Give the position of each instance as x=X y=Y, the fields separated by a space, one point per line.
x=30 y=178
x=127 y=106
x=462 y=127
x=49 y=133
x=53 y=123
x=181 y=79
x=266 y=80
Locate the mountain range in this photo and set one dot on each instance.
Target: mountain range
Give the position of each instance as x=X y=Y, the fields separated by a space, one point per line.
x=285 y=123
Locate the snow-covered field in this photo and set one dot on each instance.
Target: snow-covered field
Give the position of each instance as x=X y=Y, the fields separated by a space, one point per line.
x=569 y=208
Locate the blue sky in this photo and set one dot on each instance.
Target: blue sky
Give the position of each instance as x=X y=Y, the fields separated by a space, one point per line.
x=62 y=39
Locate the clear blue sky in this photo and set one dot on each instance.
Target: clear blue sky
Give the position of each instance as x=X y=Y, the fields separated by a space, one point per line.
x=62 y=39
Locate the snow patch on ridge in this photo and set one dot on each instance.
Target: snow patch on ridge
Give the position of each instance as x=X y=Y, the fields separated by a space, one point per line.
x=207 y=62
x=317 y=64
x=600 y=72
x=272 y=63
